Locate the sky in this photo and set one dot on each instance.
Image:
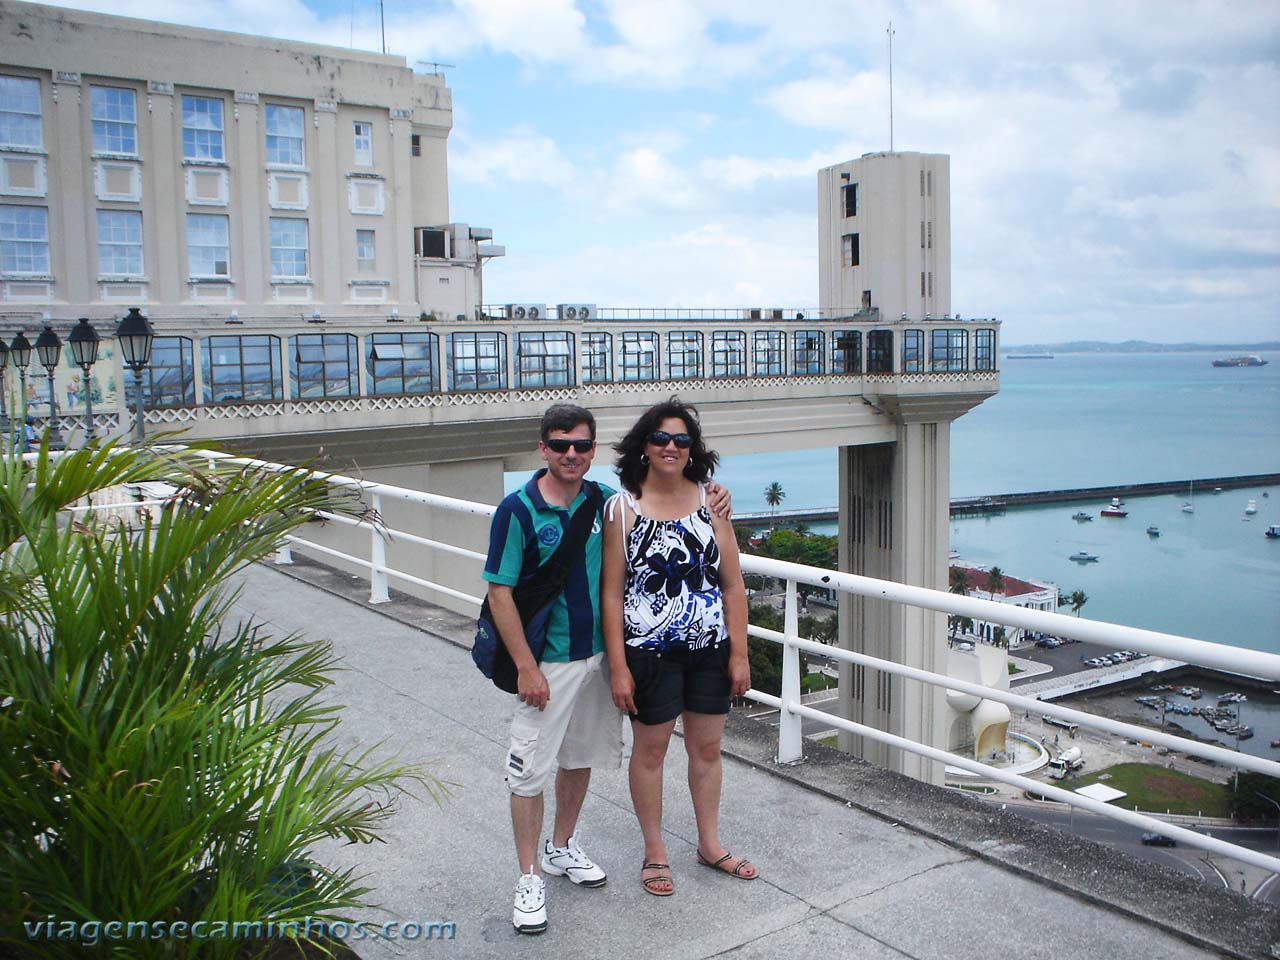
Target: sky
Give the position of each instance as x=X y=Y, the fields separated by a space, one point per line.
x=1115 y=166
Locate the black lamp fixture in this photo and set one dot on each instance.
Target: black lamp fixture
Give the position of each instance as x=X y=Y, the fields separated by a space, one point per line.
x=49 y=350
x=84 y=342
x=135 y=335
x=20 y=353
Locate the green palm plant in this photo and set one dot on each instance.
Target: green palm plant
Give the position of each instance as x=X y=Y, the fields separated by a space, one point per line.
x=995 y=582
x=158 y=760
x=774 y=495
x=1077 y=600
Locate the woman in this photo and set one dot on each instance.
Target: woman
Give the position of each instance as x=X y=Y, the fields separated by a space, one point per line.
x=674 y=614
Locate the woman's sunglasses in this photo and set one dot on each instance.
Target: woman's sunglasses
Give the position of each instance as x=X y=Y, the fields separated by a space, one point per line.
x=561 y=445
x=660 y=438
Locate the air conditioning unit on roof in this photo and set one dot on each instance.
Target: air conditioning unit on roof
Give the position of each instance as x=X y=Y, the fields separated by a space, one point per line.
x=576 y=311
x=526 y=311
x=762 y=313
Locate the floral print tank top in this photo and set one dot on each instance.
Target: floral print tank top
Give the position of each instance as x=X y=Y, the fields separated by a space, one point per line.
x=673 y=599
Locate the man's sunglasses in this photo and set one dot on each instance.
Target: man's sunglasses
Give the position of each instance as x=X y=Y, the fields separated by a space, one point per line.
x=660 y=438
x=561 y=445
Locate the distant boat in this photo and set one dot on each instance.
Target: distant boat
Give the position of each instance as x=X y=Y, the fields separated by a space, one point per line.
x=1251 y=507
x=1190 y=505
x=1153 y=531
x=1083 y=557
x=1253 y=360
x=1116 y=502
x=1273 y=532
x=1217 y=489
x=1114 y=511
x=1081 y=516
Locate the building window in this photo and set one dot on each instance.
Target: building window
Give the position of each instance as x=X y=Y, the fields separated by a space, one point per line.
x=866 y=299
x=120 y=243
x=20 y=119
x=930 y=176
x=323 y=365
x=639 y=359
x=366 y=252
x=208 y=254
x=846 y=351
x=984 y=350
x=851 y=200
x=922 y=183
x=948 y=349
x=850 y=252
x=403 y=363
x=241 y=369
x=477 y=361
x=921 y=234
x=415 y=145
x=202 y=129
x=288 y=248
x=807 y=352
x=597 y=358
x=544 y=359
x=24 y=241
x=365 y=195
x=684 y=355
x=931 y=283
x=930 y=234
x=363 y=143
x=768 y=349
x=913 y=351
x=284 y=135
x=728 y=353
x=922 y=283
x=169 y=379
x=114 y=115
x=880 y=351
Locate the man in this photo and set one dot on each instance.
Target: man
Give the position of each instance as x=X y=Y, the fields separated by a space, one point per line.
x=565 y=716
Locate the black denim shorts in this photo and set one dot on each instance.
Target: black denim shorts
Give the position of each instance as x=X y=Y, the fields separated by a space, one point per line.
x=672 y=681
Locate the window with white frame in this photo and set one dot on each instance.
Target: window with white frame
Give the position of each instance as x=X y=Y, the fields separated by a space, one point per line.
x=366 y=251
x=285 y=126
x=288 y=248
x=208 y=251
x=24 y=241
x=20 y=118
x=113 y=113
x=684 y=355
x=544 y=359
x=365 y=195
x=203 y=132
x=770 y=349
x=949 y=350
x=984 y=350
x=362 y=139
x=639 y=356
x=597 y=357
x=120 y=243
x=728 y=353
x=477 y=361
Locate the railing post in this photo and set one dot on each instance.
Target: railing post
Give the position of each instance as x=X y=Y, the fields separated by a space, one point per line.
x=790 y=739
x=377 y=553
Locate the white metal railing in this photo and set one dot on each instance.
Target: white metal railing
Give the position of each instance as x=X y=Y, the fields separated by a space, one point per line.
x=792 y=711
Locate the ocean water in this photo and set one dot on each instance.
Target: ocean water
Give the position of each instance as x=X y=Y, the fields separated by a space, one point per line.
x=1085 y=420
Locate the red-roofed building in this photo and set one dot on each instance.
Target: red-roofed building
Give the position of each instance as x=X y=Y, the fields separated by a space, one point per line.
x=1019 y=593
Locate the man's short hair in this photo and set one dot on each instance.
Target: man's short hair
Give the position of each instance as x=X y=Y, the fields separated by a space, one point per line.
x=566 y=416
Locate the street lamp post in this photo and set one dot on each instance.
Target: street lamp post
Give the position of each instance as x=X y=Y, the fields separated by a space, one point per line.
x=20 y=352
x=1263 y=796
x=135 y=335
x=4 y=412
x=84 y=342
x=49 y=349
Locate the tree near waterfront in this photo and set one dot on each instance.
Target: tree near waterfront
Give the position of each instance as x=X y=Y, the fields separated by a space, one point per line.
x=995 y=582
x=161 y=758
x=1077 y=600
x=773 y=496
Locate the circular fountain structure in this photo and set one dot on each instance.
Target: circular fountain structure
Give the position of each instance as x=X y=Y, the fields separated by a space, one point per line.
x=1021 y=754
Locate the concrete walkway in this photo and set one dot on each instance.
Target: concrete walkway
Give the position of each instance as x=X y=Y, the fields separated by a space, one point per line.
x=854 y=861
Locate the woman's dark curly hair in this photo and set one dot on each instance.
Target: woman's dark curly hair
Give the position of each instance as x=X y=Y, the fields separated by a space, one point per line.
x=631 y=465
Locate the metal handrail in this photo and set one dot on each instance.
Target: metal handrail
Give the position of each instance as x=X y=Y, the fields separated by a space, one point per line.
x=792 y=710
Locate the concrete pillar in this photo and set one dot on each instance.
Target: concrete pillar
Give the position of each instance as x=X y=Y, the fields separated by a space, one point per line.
x=894 y=525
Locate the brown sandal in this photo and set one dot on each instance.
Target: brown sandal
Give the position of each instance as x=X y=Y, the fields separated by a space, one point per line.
x=657 y=879
x=734 y=871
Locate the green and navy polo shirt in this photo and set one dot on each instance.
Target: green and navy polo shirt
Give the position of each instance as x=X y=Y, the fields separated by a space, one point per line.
x=525 y=532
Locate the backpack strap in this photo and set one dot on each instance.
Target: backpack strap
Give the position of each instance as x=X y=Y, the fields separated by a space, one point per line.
x=533 y=594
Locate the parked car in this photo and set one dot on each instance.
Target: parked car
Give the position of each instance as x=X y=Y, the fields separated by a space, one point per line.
x=1158 y=840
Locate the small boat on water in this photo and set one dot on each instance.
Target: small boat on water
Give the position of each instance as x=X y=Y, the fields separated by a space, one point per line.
x=1251 y=507
x=1081 y=516
x=1117 y=502
x=1217 y=489
x=1273 y=532
x=1083 y=557
x=1275 y=743
x=1253 y=360
x=1232 y=697
x=1153 y=531
x=1189 y=505
x=1114 y=511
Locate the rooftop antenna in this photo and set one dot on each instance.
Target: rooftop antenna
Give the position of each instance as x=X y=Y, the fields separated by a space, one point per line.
x=382 y=22
x=890 y=33
x=435 y=67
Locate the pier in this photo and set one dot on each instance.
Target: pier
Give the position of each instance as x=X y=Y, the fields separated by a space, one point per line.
x=998 y=503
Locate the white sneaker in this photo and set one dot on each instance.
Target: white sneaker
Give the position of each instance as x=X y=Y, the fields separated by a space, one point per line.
x=530 y=913
x=569 y=861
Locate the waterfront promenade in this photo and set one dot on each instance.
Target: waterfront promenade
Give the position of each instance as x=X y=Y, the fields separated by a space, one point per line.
x=854 y=861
